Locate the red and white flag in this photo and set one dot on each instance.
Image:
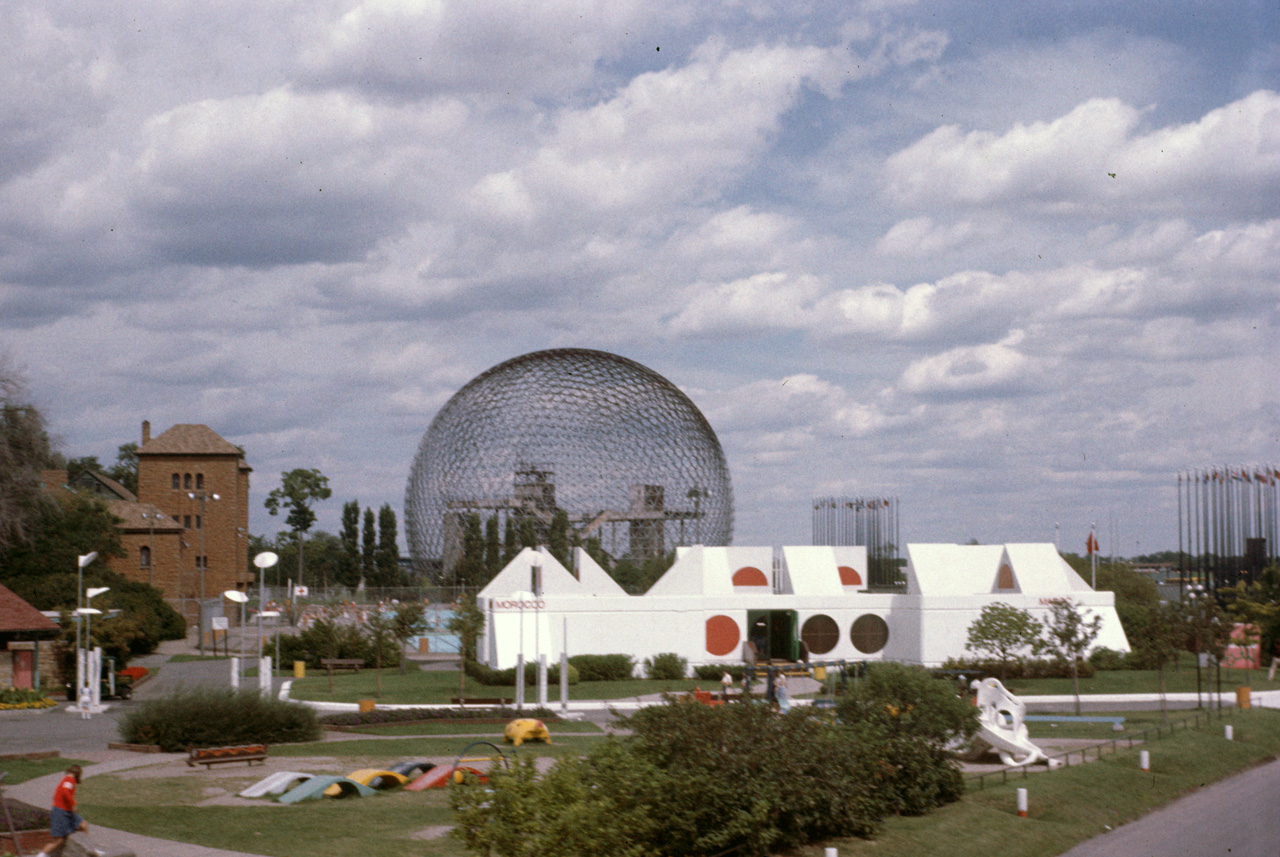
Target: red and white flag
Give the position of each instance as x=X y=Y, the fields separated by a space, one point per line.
x=1091 y=544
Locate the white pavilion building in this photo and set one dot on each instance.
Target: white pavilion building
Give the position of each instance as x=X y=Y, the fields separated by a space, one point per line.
x=721 y=605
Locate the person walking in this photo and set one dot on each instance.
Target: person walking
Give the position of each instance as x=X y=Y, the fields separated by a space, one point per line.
x=64 y=820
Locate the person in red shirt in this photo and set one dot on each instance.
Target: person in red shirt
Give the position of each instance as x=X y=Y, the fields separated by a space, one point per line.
x=63 y=819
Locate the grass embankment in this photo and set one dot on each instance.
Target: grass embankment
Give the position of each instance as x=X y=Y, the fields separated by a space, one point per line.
x=1073 y=804
x=438 y=687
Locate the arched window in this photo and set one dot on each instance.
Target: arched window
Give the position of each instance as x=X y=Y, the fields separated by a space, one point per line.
x=144 y=557
x=186 y=480
x=177 y=482
x=199 y=480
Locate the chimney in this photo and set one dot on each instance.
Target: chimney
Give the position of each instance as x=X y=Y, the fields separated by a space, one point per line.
x=146 y=431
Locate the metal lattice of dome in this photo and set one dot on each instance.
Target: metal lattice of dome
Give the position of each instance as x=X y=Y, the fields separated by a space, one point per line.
x=624 y=452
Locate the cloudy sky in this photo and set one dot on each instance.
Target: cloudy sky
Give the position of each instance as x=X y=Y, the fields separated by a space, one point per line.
x=1016 y=264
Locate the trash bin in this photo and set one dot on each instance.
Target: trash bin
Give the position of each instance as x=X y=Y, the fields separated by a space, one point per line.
x=299 y=669
x=1242 y=697
x=366 y=705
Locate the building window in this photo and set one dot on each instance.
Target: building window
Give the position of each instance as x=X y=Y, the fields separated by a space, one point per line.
x=199 y=522
x=199 y=480
x=820 y=634
x=144 y=557
x=186 y=521
x=202 y=562
x=869 y=634
x=177 y=482
x=186 y=480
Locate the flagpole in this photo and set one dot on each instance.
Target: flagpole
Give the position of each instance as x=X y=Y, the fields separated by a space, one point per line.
x=1093 y=554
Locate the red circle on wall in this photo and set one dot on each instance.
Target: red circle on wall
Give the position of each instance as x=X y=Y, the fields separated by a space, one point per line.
x=749 y=575
x=849 y=576
x=722 y=635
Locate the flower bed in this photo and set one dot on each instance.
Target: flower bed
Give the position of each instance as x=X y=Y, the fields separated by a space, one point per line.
x=134 y=673
x=23 y=698
x=31 y=824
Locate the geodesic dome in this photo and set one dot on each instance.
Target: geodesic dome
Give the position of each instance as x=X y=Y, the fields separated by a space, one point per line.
x=614 y=444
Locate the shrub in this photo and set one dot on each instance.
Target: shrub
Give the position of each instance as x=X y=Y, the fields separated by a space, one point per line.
x=385 y=716
x=327 y=639
x=714 y=672
x=604 y=667
x=667 y=666
x=490 y=677
x=1035 y=668
x=213 y=717
x=1109 y=659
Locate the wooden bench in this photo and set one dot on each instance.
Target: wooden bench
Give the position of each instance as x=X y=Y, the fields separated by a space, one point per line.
x=706 y=698
x=482 y=701
x=332 y=664
x=209 y=756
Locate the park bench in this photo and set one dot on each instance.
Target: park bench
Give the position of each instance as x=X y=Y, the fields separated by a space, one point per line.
x=209 y=756
x=482 y=701
x=332 y=664
x=706 y=698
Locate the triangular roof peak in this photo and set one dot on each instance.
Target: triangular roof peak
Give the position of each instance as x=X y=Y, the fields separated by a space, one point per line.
x=189 y=439
x=16 y=615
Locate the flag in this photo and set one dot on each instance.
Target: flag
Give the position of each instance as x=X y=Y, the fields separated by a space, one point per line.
x=1091 y=544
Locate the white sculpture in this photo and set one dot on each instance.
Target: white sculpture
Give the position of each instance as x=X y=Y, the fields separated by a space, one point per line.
x=1000 y=717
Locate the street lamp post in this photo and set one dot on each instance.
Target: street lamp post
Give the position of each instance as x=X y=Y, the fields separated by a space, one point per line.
x=203 y=497
x=82 y=656
x=263 y=561
x=240 y=598
x=84 y=560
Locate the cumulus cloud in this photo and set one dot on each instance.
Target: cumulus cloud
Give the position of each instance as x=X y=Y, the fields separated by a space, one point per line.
x=1097 y=155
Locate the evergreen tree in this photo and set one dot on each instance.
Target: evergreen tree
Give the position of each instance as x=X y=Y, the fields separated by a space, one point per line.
x=350 y=568
x=492 y=548
x=558 y=539
x=510 y=547
x=369 y=555
x=388 y=553
x=470 y=569
x=528 y=532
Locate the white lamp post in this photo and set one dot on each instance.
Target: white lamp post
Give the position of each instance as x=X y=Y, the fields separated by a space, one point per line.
x=84 y=560
x=204 y=558
x=240 y=598
x=263 y=561
x=271 y=614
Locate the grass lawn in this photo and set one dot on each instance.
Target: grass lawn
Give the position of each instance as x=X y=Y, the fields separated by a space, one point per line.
x=437 y=687
x=1066 y=806
x=1180 y=680
x=21 y=770
x=1073 y=804
x=397 y=749
x=581 y=727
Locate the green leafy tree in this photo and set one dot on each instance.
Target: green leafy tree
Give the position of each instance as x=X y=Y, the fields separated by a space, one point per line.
x=350 y=536
x=1159 y=644
x=1068 y=634
x=381 y=634
x=468 y=623
x=125 y=469
x=24 y=452
x=83 y=464
x=408 y=621
x=299 y=490
x=528 y=532
x=469 y=570
x=388 y=553
x=1004 y=632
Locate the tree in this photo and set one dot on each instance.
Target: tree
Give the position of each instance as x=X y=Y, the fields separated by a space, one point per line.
x=1069 y=635
x=381 y=633
x=1004 y=632
x=510 y=543
x=369 y=548
x=470 y=569
x=350 y=536
x=388 y=554
x=558 y=537
x=407 y=622
x=1159 y=643
x=492 y=548
x=467 y=622
x=528 y=532
x=24 y=452
x=299 y=489
x=125 y=470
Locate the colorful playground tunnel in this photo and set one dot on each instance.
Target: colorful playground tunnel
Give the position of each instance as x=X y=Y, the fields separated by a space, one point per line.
x=291 y=787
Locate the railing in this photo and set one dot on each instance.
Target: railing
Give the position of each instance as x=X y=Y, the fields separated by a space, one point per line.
x=1156 y=733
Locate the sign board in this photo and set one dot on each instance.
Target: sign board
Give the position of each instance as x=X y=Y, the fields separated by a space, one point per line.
x=300 y=591
x=220 y=623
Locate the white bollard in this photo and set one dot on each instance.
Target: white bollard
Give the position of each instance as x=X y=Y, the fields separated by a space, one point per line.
x=235 y=673
x=829 y=852
x=264 y=675
x=1144 y=760
x=1022 y=803
x=1230 y=733
x=542 y=680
